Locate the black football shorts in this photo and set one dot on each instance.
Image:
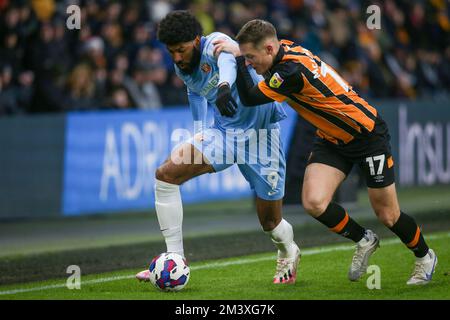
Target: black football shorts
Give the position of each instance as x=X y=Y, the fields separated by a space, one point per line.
x=372 y=153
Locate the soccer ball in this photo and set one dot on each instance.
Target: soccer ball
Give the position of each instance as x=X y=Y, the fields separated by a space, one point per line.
x=169 y=272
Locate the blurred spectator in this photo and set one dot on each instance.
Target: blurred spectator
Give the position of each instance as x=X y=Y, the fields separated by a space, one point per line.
x=142 y=91
x=173 y=92
x=8 y=101
x=25 y=90
x=112 y=34
x=44 y=9
x=120 y=99
x=10 y=51
x=158 y=9
x=80 y=89
x=93 y=51
x=116 y=49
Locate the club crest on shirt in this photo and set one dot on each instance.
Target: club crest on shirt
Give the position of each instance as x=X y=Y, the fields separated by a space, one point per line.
x=276 y=80
x=206 y=68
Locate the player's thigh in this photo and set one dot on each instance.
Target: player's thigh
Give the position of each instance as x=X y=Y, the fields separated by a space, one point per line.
x=269 y=212
x=324 y=173
x=184 y=163
x=265 y=171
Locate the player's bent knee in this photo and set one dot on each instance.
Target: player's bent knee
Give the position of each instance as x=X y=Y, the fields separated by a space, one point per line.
x=178 y=174
x=314 y=205
x=164 y=174
x=160 y=174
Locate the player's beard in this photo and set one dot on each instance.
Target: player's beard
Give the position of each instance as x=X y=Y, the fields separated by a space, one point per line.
x=193 y=64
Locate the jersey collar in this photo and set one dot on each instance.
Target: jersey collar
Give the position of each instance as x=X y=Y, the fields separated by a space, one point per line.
x=278 y=57
x=202 y=43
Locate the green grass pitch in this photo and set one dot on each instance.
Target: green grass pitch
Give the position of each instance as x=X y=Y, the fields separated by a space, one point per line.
x=322 y=275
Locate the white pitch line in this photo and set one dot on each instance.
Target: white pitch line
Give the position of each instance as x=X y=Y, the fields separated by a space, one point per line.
x=305 y=252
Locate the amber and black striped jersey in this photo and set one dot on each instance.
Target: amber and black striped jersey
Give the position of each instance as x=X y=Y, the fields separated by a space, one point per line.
x=317 y=92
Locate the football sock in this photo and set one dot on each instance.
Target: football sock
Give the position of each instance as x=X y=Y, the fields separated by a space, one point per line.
x=409 y=233
x=283 y=238
x=337 y=220
x=169 y=211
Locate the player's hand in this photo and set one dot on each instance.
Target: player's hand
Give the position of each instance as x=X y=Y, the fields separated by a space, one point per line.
x=223 y=45
x=225 y=102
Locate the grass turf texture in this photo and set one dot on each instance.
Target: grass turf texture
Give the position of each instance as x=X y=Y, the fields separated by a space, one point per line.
x=322 y=275
x=51 y=265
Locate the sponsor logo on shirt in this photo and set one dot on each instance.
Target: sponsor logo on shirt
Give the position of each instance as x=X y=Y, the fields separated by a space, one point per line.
x=212 y=83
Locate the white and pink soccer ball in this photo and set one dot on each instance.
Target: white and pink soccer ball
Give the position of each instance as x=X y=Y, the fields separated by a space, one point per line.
x=169 y=272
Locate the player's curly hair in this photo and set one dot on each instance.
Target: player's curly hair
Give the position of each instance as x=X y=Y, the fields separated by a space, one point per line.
x=177 y=27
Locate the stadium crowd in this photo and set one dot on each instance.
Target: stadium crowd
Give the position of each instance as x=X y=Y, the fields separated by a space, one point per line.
x=114 y=60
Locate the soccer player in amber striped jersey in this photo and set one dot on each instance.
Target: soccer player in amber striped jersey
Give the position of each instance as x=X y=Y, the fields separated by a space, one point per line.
x=350 y=131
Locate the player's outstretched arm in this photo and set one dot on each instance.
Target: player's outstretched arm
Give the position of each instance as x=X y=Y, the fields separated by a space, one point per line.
x=227 y=68
x=249 y=94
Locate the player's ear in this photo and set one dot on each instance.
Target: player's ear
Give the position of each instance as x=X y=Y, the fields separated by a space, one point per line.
x=197 y=41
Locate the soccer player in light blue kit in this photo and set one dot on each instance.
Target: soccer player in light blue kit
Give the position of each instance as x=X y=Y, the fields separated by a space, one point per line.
x=210 y=80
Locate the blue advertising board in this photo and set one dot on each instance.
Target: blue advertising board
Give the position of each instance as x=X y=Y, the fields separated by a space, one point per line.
x=111 y=159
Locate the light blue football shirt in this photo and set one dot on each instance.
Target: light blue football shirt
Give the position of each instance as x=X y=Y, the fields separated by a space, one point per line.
x=203 y=83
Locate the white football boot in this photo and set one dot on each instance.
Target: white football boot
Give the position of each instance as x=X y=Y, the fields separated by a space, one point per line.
x=364 y=249
x=423 y=269
x=286 y=271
